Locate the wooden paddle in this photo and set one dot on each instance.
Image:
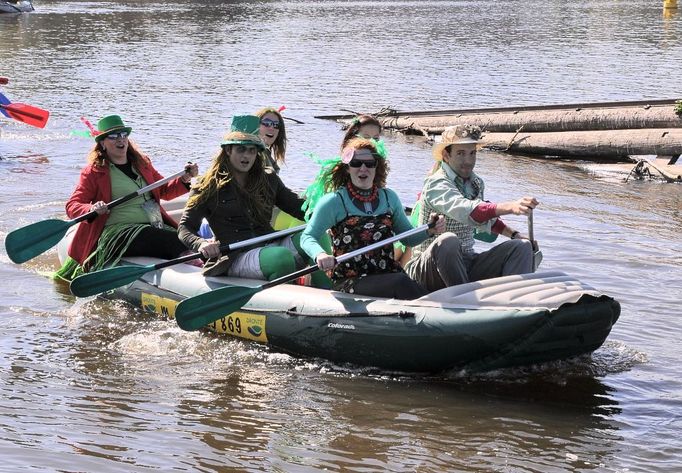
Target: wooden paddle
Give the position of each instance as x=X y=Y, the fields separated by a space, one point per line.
x=537 y=254
x=106 y=279
x=28 y=242
x=199 y=311
x=28 y=114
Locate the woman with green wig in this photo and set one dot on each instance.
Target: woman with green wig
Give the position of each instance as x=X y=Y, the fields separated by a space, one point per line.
x=350 y=199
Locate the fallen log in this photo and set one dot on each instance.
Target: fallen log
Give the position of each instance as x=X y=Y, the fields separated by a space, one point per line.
x=573 y=117
x=547 y=120
x=610 y=145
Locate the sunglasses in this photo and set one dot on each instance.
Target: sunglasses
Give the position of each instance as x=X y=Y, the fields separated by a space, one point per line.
x=267 y=123
x=115 y=136
x=369 y=164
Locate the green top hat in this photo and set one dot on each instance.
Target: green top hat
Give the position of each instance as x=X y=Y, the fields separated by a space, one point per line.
x=244 y=131
x=110 y=124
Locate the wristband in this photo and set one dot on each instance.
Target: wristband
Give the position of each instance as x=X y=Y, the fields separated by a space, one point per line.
x=513 y=234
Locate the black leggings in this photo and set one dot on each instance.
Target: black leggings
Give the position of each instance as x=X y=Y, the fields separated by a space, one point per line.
x=157 y=243
x=392 y=285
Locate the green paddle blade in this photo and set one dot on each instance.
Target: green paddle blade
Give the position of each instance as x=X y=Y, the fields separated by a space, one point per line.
x=196 y=312
x=89 y=284
x=28 y=242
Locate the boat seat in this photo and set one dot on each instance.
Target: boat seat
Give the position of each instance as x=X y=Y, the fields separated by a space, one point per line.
x=175 y=207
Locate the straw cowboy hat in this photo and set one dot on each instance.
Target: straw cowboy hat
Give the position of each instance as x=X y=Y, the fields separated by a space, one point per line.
x=456 y=135
x=244 y=131
x=110 y=124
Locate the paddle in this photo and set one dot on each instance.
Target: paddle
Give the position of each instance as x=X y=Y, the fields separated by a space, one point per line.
x=103 y=280
x=4 y=101
x=28 y=242
x=537 y=254
x=198 y=311
x=24 y=113
x=18 y=10
x=299 y=122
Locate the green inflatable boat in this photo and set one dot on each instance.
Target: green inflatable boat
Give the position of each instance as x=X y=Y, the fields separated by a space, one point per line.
x=502 y=322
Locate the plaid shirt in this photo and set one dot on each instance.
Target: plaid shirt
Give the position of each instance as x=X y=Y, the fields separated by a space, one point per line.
x=446 y=193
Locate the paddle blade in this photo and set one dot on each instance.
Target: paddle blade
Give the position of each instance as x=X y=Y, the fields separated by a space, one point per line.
x=196 y=312
x=89 y=284
x=4 y=101
x=28 y=114
x=28 y=242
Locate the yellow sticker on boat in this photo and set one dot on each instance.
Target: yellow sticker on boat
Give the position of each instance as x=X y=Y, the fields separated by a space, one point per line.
x=159 y=305
x=239 y=324
x=242 y=324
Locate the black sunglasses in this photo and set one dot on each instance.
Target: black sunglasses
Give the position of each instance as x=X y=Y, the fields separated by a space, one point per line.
x=115 y=136
x=268 y=123
x=369 y=164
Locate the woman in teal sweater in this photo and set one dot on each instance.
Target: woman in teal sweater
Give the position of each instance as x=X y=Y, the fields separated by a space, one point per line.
x=359 y=210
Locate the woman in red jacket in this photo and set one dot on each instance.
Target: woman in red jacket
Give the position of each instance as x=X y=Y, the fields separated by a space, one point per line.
x=140 y=227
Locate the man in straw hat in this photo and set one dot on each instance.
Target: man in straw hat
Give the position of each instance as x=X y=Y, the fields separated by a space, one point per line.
x=454 y=190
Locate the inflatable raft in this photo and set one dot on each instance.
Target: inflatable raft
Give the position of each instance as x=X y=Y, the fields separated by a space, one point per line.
x=22 y=6
x=502 y=322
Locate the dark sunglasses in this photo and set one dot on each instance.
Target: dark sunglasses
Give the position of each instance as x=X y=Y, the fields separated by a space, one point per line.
x=115 y=136
x=266 y=122
x=369 y=164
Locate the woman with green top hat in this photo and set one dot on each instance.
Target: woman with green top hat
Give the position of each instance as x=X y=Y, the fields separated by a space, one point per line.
x=359 y=210
x=139 y=227
x=272 y=133
x=236 y=195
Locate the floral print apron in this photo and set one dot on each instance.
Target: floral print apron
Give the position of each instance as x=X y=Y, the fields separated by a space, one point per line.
x=357 y=232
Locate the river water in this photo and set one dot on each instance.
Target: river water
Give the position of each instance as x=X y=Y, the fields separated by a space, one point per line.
x=93 y=385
